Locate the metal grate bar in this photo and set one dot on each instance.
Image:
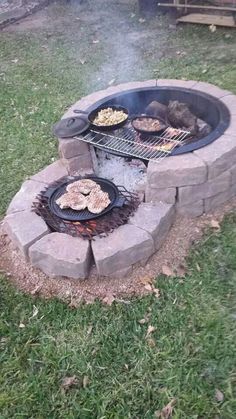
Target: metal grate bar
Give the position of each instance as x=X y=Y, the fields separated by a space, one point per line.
x=128 y=141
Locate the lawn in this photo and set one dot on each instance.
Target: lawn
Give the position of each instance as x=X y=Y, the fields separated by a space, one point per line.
x=191 y=352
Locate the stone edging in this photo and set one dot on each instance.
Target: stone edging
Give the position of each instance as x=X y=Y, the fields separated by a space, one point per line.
x=16 y=14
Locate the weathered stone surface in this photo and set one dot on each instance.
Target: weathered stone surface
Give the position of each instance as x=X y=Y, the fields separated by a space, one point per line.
x=166 y=195
x=59 y=254
x=188 y=84
x=51 y=173
x=219 y=156
x=191 y=210
x=183 y=170
x=230 y=102
x=71 y=147
x=231 y=130
x=211 y=89
x=127 y=245
x=24 y=228
x=25 y=196
x=233 y=174
x=78 y=163
x=191 y=194
x=12 y=15
x=155 y=219
x=212 y=203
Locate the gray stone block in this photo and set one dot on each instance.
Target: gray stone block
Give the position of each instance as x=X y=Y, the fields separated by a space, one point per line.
x=155 y=219
x=174 y=171
x=230 y=102
x=25 y=196
x=127 y=245
x=51 y=173
x=59 y=254
x=191 y=194
x=166 y=195
x=71 y=147
x=78 y=163
x=191 y=210
x=219 y=156
x=211 y=89
x=231 y=130
x=187 y=84
x=215 y=201
x=24 y=228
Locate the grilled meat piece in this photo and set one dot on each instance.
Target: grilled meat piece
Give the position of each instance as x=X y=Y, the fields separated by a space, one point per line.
x=73 y=200
x=97 y=201
x=84 y=186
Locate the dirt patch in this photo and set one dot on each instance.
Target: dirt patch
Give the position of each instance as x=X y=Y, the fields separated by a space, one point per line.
x=184 y=233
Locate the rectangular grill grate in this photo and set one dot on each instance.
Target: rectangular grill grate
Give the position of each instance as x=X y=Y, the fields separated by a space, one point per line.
x=128 y=141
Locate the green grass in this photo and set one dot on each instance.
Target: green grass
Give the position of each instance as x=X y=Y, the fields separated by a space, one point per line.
x=194 y=353
x=194 y=318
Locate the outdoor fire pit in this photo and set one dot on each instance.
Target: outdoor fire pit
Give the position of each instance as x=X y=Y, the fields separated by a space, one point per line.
x=193 y=175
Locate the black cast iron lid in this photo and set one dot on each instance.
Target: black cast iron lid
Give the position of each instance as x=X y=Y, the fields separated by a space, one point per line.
x=69 y=127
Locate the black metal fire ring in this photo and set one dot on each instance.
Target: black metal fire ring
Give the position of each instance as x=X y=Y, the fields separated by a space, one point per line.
x=123 y=98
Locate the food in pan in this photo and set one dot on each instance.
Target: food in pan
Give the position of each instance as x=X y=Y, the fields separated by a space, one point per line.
x=147 y=124
x=83 y=186
x=97 y=201
x=73 y=200
x=109 y=116
x=82 y=194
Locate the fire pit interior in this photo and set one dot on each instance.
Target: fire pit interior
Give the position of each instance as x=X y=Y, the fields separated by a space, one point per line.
x=205 y=107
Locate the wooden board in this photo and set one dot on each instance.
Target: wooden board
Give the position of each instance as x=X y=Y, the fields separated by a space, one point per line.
x=208 y=20
x=179 y=5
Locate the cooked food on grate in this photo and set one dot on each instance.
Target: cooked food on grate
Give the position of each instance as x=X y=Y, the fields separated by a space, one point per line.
x=97 y=201
x=72 y=200
x=172 y=132
x=109 y=116
x=83 y=186
x=165 y=147
x=147 y=124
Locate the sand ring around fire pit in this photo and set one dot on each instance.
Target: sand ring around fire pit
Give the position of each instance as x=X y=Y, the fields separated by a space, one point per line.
x=188 y=184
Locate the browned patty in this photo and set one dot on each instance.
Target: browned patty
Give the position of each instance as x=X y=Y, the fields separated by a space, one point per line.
x=97 y=201
x=83 y=186
x=72 y=200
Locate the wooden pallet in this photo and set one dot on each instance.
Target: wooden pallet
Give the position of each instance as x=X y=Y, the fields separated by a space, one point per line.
x=206 y=19
x=203 y=18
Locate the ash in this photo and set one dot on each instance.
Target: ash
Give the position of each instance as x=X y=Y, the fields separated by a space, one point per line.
x=130 y=174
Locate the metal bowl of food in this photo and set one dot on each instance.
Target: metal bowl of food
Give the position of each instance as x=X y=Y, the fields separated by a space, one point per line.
x=106 y=118
x=149 y=125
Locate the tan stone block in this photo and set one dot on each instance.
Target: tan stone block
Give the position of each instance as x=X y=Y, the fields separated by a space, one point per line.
x=191 y=194
x=218 y=156
x=166 y=195
x=186 y=169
